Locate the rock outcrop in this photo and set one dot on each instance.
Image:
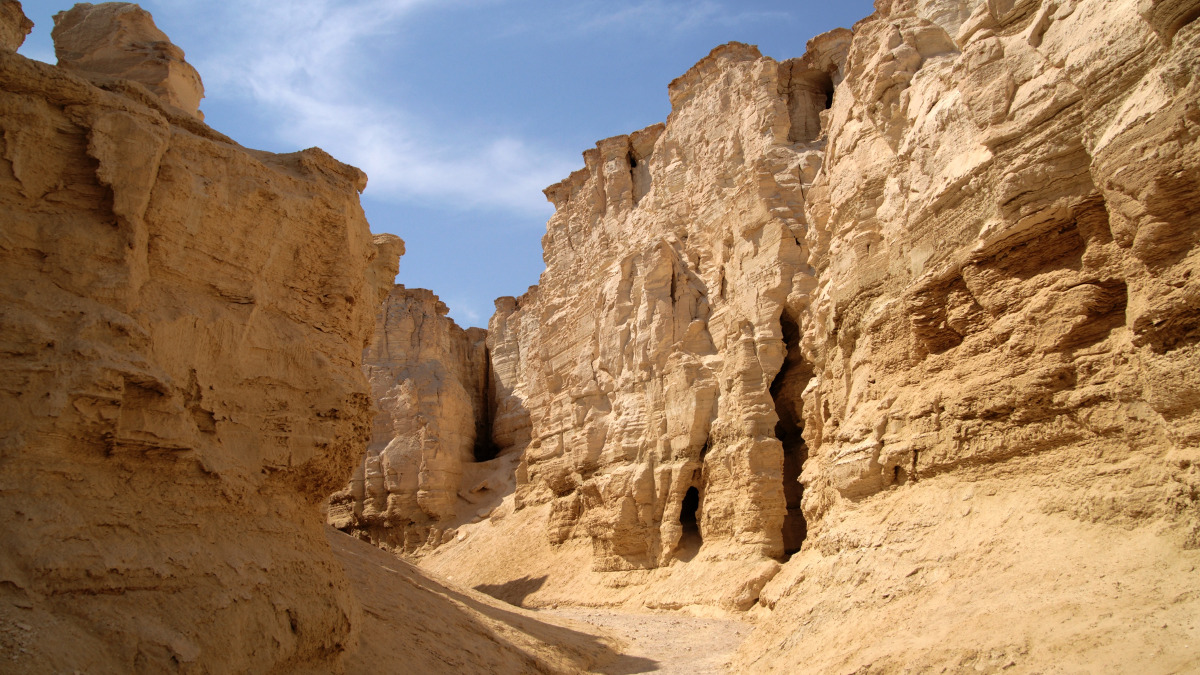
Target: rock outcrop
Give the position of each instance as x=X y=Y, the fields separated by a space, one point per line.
x=1005 y=338
x=648 y=352
x=14 y=25
x=181 y=337
x=427 y=468
x=971 y=279
x=120 y=40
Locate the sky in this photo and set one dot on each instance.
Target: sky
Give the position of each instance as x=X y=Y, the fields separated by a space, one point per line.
x=460 y=111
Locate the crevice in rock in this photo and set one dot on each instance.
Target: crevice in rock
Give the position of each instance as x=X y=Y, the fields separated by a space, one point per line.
x=786 y=391
x=689 y=521
x=809 y=94
x=486 y=448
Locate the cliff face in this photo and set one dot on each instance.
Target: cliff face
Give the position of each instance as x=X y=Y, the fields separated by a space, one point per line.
x=1005 y=236
x=425 y=469
x=646 y=357
x=182 y=332
x=1004 y=413
x=959 y=306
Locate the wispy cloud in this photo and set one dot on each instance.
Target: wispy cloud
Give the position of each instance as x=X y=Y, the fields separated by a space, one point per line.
x=657 y=17
x=300 y=61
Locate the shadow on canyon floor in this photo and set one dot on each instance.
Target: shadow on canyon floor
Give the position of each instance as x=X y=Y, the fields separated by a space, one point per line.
x=514 y=592
x=412 y=618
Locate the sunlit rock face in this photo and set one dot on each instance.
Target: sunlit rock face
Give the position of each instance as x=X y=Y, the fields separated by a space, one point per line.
x=120 y=40
x=14 y=25
x=649 y=360
x=431 y=435
x=1004 y=235
x=957 y=244
x=181 y=339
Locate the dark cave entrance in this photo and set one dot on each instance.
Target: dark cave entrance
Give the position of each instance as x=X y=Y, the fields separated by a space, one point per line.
x=687 y=512
x=689 y=542
x=786 y=390
x=486 y=448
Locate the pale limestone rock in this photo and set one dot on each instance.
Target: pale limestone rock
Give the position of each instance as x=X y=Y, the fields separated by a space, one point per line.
x=14 y=25
x=961 y=303
x=422 y=473
x=120 y=40
x=645 y=358
x=1005 y=338
x=182 y=329
x=1003 y=271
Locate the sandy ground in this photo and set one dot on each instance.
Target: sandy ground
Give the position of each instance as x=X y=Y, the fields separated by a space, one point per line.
x=666 y=643
x=413 y=622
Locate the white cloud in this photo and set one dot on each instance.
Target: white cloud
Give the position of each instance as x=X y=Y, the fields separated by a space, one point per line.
x=298 y=60
x=656 y=16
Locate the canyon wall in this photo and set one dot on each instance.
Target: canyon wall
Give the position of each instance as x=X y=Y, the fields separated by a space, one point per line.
x=425 y=469
x=927 y=346
x=646 y=356
x=1003 y=421
x=182 y=332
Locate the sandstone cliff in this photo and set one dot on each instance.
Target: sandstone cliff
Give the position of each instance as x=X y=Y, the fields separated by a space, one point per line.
x=429 y=464
x=959 y=306
x=182 y=329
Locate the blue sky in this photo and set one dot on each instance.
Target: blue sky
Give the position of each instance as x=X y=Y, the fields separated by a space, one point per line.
x=460 y=111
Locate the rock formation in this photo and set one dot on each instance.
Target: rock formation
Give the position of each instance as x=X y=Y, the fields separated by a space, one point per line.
x=182 y=331
x=120 y=40
x=648 y=376
x=14 y=25
x=942 y=271
x=426 y=468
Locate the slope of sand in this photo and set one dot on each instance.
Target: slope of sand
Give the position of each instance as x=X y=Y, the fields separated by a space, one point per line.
x=412 y=622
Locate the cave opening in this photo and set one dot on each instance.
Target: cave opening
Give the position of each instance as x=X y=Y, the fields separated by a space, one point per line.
x=687 y=511
x=826 y=84
x=786 y=390
x=690 y=539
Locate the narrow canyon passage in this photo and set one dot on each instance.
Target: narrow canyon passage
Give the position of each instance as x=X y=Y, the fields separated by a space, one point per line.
x=665 y=644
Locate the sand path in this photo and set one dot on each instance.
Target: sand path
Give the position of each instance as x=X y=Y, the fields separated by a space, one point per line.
x=665 y=643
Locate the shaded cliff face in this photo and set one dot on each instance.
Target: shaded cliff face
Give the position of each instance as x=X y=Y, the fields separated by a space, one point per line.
x=425 y=470
x=182 y=332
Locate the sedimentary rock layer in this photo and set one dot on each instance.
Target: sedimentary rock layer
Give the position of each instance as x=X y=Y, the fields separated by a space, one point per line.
x=646 y=356
x=180 y=347
x=120 y=40
x=431 y=436
x=966 y=290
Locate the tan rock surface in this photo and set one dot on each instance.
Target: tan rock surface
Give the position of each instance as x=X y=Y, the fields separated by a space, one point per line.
x=14 y=25
x=120 y=40
x=976 y=270
x=182 y=331
x=430 y=464
x=1003 y=423
x=644 y=359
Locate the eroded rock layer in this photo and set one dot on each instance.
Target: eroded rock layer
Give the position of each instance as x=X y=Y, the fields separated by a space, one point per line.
x=767 y=328
x=181 y=337
x=646 y=357
x=425 y=469
x=1006 y=401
